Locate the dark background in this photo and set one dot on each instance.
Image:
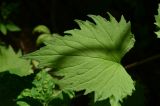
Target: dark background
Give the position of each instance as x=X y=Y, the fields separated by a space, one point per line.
x=59 y=16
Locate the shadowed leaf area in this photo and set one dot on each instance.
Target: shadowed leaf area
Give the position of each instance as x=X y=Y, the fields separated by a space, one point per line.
x=89 y=58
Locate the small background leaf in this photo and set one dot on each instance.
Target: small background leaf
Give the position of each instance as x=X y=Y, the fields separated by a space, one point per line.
x=11 y=61
x=41 y=29
x=3 y=29
x=43 y=38
x=22 y=103
x=12 y=27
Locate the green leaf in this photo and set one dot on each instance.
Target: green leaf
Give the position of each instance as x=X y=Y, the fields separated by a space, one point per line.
x=42 y=38
x=157 y=18
x=43 y=89
x=22 y=103
x=11 y=61
x=158 y=33
x=89 y=58
x=12 y=27
x=41 y=29
x=3 y=29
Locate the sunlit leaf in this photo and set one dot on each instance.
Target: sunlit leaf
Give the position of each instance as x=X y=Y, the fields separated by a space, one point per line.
x=89 y=58
x=42 y=38
x=41 y=29
x=11 y=61
x=157 y=18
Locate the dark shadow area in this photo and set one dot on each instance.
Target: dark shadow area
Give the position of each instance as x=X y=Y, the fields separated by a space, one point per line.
x=82 y=100
x=11 y=86
x=64 y=101
x=31 y=101
x=58 y=15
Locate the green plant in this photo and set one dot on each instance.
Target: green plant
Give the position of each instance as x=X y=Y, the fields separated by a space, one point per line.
x=44 y=32
x=11 y=61
x=89 y=59
x=5 y=23
x=44 y=90
x=157 y=23
x=86 y=59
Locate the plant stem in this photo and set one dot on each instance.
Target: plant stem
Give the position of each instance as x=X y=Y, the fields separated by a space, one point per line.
x=45 y=104
x=142 y=61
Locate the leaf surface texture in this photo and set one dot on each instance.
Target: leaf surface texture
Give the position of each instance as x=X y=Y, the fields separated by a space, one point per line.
x=89 y=58
x=11 y=61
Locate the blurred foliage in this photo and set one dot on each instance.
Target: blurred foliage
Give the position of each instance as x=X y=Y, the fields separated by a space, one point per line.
x=5 y=23
x=44 y=34
x=8 y=27
x=41 y=29
x=7 y=9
